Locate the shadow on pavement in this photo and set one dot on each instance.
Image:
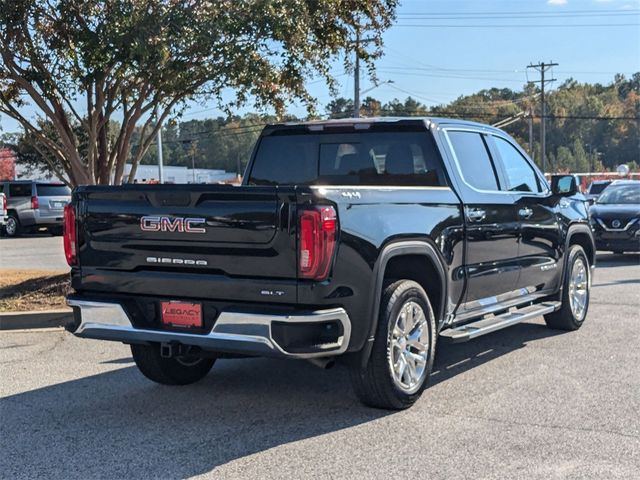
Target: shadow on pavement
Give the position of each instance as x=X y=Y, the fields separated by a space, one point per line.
x=452 y=360
x=119 y=425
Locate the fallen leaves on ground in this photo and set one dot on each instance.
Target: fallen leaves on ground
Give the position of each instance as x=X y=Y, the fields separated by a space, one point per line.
x=27 y=290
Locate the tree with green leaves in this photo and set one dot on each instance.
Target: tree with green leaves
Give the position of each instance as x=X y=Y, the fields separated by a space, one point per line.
x=83 y=63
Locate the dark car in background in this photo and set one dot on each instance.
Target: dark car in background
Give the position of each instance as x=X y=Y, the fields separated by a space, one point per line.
x=595 y=188
x=615 y=217
x=32 y=206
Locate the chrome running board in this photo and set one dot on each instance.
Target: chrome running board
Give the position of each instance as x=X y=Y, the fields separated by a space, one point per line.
x=492 y=323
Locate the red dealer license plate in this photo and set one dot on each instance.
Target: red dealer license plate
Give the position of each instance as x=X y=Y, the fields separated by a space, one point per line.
x=182 y=314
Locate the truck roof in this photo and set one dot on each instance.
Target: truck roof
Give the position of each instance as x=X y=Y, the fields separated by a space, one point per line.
x=336 y=122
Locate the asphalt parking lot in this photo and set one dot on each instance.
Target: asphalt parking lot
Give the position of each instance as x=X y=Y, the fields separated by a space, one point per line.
x=33 y=252
x=527 y=402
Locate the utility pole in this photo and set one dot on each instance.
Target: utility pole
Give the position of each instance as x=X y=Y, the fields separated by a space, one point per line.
x=542 y=68
x=356 y=74
x=159 y=147
x=356 y=79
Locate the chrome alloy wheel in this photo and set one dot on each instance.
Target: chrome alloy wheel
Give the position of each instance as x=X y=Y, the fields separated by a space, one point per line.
x=579 y=289
x=408 y=348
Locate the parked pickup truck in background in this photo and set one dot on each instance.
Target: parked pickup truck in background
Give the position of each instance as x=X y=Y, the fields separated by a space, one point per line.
x=370 y=241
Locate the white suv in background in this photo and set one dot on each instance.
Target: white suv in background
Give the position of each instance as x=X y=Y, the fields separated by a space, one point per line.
x=3 y=210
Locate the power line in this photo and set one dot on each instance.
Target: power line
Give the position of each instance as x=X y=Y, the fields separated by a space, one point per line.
x=532 y=12
x=223 y=132
x=442 y=69
x=520 y=25
x=457 y=77
x=429 y=16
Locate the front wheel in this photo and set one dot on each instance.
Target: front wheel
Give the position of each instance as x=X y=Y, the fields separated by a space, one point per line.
x=575 y=293
x=178 y=370
x=403 y=350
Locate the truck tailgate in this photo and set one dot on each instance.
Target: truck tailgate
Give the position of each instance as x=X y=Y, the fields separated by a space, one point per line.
x=207 y=232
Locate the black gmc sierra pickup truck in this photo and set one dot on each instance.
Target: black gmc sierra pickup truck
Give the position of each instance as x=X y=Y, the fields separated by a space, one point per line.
x=368 y=240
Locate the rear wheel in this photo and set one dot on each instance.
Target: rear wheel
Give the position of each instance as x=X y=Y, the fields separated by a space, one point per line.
x=12 y=228
x=55 y=231
x=403 y=349
x=575 y=294
x=178 y=370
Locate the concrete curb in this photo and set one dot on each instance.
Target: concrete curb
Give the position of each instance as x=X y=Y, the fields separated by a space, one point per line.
x=28 y=320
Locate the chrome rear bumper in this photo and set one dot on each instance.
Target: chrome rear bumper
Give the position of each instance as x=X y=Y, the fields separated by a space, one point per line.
x=233 y=331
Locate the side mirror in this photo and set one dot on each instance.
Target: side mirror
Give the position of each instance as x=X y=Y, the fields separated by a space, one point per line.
x=564 y=185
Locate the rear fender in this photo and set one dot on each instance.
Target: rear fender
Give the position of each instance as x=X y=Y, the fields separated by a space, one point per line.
x=422 y=248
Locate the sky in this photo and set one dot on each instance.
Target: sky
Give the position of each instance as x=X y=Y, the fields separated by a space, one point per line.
x=441 y=49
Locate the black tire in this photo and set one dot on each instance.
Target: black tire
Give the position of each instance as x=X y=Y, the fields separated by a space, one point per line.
x=375 y=385
x=565 y=318
x=169 y=371
x=55 y=231
x=13 y=227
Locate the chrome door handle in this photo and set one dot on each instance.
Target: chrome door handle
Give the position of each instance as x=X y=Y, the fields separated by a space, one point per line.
x=525 y=212
x=476 y=214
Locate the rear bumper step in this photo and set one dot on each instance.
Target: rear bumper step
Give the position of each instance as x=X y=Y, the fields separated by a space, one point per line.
x=233 y=332
x=484 y=326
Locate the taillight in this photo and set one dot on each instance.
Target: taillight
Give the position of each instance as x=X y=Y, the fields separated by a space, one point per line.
x=69 y=236
x=318 y=227
x=35 y=203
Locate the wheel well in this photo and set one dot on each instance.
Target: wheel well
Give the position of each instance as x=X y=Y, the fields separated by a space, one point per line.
x=584 y=241
x=421 y=269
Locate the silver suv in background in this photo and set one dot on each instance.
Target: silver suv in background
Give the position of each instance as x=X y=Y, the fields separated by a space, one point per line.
x=34 y=205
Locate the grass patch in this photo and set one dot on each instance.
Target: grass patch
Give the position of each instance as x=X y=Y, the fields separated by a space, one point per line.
x=27 y=290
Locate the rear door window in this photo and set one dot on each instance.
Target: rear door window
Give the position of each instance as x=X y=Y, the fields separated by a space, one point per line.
x=473 y=158
x=20 y=189
x=371 y=158
x=48 y=190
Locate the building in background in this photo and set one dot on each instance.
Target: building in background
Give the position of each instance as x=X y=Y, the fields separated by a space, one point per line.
x=149 y=174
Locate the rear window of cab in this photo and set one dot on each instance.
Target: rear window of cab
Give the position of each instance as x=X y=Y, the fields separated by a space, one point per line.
x=362 y=158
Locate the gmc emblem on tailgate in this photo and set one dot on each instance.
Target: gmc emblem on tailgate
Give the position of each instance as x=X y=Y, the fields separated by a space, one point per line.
x=171 y=224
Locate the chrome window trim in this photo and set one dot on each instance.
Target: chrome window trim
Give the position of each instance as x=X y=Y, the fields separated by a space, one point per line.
x=376 y=187
x=487 y=131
